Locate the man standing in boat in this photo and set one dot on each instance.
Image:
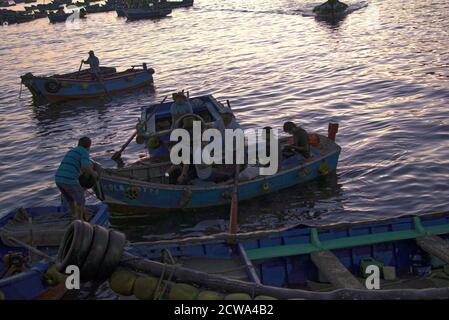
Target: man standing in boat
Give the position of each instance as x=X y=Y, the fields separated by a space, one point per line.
x=75 y=162
x=94 y=64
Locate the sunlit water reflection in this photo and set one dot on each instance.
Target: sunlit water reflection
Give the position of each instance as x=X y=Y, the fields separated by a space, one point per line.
x=382 y=73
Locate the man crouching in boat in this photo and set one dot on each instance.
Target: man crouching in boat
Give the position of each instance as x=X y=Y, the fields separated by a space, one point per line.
x=94 y=64
x=300 y=139
x=75 y=161
x=330 y=7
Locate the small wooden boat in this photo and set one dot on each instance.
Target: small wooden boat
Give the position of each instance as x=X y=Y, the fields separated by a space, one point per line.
x=23 y=278
x=151 y=12
x=55 y=17
x=312 y=261
x=145 y=185
x=72 y=86
x=7 y=4
x=120 y=12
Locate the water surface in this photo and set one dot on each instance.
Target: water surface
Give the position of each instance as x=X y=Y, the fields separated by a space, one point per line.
x=382 y=73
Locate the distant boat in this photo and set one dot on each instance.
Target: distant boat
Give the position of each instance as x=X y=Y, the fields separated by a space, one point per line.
x=72 y=86
x=7 y=3
x=151 y=12
x=55 y=17
x=176 y=4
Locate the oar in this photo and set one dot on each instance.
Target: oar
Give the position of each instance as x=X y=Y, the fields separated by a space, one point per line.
x=234 y=202
x=27 y=246
x=235 y=198
x=79 y=70
x=118 y=154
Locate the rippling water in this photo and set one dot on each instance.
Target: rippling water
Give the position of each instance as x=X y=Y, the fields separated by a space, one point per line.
x=382 y=73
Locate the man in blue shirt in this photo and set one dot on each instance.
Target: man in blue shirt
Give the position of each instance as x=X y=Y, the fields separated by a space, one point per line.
x=75 y=161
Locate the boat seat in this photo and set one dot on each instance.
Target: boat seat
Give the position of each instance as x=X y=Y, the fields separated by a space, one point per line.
x=334 y=271
x=435 y=246
x=232 y=268
x=44 y=230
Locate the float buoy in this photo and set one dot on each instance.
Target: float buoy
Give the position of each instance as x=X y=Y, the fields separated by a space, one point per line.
x=52 y=86
x=266 y=186
x=86 y=180
x=132 y=193
x=323 y=169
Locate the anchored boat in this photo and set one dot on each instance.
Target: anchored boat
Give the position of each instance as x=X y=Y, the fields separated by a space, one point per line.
x=152 y=12
x=145 y=185
x=55 y=17
x=23 y=274
x=404 y=257
x=409 y=254
x=80 y=85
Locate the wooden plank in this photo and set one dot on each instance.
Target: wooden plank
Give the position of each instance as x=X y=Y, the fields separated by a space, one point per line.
x=334 y=270
x=54 y=293
x=249 y=265
x=435 y=246
x=221 y=283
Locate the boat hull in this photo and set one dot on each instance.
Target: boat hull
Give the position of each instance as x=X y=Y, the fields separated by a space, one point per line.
x=30 y=284
x=123 y=194
x=73 y=89
x=282 y=258
x=139 y=14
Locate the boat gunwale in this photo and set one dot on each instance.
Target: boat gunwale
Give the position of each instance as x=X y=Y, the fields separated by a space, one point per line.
x=122 y=75
x=336 y=149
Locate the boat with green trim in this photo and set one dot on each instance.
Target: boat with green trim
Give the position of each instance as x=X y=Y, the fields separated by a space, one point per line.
x=405 y=257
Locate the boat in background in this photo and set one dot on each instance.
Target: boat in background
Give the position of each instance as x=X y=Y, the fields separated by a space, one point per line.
x=175 y=4
x=24 y=278
x=55 y=17
x=151 y=12
x=80 y=85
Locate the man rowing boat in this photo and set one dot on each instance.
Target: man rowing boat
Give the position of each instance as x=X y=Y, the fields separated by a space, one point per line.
x=330 y=7
x=94 y=64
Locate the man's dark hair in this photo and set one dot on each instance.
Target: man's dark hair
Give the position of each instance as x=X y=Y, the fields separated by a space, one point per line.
x=85 y=142
x=289 y=126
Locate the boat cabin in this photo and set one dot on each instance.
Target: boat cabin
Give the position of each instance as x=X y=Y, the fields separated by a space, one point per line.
x=159 y=120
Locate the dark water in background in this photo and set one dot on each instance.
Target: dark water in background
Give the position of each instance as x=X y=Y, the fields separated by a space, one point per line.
x=382 y=73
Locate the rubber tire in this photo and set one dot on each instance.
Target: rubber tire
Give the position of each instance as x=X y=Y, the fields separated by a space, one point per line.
x=96 y=253
x=113 y=255
x=70 y=244
x=52 y=86
x=88 y=235
x=150 y=70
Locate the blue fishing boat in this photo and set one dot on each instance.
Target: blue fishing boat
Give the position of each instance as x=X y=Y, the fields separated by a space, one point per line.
x=145 y=185
x=151 y=12
x=81 y=85
x=409 y=255
x=42 y=227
